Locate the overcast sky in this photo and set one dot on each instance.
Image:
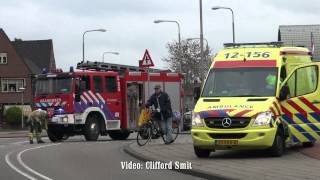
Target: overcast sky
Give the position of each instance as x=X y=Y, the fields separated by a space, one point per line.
x=131 y=29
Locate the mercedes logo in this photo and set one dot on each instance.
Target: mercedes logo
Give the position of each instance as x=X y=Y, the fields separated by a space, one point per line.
x=226 y=122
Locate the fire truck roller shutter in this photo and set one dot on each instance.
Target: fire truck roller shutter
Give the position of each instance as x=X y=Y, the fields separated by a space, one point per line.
x=173 y=90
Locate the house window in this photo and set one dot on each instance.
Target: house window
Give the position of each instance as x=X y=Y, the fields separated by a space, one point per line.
x=11 y=85
x=3 y=58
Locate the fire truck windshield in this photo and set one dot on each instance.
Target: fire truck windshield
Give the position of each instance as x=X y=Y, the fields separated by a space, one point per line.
x=241 y=82
x=54 y=85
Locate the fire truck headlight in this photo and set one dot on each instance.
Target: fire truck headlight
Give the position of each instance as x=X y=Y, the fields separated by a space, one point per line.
x=196 y=120
x=65 y=119
x=263 y=119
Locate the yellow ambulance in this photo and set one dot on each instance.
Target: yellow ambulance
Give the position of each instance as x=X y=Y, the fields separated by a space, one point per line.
x=258 y=96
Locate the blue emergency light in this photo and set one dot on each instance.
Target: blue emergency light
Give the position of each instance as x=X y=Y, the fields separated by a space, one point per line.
x=60 y=111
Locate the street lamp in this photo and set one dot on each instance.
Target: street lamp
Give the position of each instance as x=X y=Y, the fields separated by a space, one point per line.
x=161 y=21
x=220 y=7
x=115 y=53
x=22 y=90
x=179 y=37
x=98 y=30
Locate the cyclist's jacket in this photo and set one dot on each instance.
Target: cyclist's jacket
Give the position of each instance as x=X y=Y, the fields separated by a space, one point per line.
x=162 y=100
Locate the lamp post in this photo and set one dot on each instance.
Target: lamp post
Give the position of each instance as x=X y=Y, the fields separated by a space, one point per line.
x=201 y=30
x=179 y=36
x=98 y=30
x=220 y=7
x=22 y=113
x=115 y=53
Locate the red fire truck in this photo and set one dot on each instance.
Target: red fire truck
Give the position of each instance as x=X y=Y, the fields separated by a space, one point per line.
x=100 y=99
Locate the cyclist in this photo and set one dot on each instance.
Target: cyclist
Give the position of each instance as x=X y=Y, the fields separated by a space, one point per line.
x=163 y=111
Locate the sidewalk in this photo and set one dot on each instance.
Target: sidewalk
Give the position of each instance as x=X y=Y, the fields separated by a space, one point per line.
x=13 y=134
x=313 y=152
x=249 y=165
x=18 y=134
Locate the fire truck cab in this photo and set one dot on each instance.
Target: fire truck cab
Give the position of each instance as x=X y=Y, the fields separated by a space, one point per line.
x=96 y=101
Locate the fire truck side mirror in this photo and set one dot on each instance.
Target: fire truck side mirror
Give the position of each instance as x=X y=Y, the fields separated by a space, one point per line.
x=79 y=89
x=77 y=97
x=83 y=86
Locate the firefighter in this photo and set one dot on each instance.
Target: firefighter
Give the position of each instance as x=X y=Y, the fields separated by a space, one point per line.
x=37 y=119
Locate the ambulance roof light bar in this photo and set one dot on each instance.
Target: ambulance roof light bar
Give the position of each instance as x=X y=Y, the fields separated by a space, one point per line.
x=273 y=44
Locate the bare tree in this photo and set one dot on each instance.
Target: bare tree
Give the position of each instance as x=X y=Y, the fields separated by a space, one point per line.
x=190 y=59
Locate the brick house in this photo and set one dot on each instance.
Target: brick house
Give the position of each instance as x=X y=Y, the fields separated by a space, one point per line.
x=19 y=62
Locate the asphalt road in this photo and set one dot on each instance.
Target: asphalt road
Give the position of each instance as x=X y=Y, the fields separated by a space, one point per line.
x=73 y=159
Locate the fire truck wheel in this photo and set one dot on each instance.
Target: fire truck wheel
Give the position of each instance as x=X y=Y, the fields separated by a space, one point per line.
x=278 y=147
x=91 y=132
x=119 y=134
x=54 y=136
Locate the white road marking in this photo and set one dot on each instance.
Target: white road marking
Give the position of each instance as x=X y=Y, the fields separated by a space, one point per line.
x=16 y=169
x=24 y=165
x=27 y=167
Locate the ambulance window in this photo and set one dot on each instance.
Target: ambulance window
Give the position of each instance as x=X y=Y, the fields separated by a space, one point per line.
x=97 y=81
x=111 y=84
x=307 y=78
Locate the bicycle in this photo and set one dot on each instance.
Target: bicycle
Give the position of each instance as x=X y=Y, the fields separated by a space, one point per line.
x=151 y=129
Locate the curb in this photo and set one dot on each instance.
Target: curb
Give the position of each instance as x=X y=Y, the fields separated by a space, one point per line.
x=17 y=134
x=193 y=172
x=20 y=136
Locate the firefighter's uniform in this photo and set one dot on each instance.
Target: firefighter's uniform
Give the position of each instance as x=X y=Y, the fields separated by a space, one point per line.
x=37 y=120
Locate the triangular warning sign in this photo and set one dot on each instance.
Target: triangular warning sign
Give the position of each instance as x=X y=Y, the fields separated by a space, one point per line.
x=146 y=60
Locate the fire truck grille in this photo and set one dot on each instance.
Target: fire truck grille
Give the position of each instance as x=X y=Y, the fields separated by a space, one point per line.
x=236 y=122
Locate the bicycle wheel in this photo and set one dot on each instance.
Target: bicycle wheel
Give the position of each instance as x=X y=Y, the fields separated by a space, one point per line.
x=144 y=134
x=174 y=132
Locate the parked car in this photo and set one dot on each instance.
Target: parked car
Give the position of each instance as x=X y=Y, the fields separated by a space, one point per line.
x=187 y=120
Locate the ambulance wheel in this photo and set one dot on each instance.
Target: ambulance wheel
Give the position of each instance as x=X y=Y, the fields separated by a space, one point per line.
x=91 y=131
x=278 y=146
x=201 y=153
x=119 y=134
x=308 y=144
x=54 y=136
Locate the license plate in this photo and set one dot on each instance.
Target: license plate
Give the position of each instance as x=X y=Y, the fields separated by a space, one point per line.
x=226 y=142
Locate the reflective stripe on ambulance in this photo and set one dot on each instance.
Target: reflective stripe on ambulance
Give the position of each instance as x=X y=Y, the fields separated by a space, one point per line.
x=305 y=126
